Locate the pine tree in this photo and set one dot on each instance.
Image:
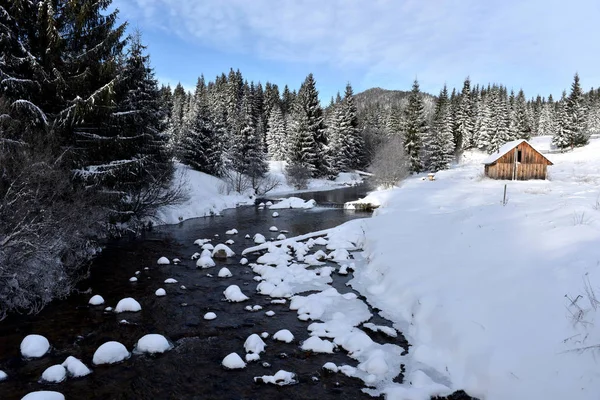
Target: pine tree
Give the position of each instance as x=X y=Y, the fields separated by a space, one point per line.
x=522 y=120
x=562 y=135
x=547 y=124
x=415 y=127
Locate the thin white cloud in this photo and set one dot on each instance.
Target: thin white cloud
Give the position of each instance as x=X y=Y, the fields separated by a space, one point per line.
x=438 y=39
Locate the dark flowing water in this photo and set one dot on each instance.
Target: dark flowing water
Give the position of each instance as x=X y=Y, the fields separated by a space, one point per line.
x=192 y=370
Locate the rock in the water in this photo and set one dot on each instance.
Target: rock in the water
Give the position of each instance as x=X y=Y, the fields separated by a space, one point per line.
x=128 y=304
x=54 y=374
x=284 y=335
x=152 y=343
x=225 y=273
x=163 y=261
x=75 y=367
x=96 y=300
x=233 y=361
x=210 y=316
x=160 y=292
x=44 y=395
x=34 y=346
x=234 y=294
x=110 y=353
x=221 y=251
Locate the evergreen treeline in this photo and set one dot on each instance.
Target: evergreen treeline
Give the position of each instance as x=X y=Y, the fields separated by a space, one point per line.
x=83 y=154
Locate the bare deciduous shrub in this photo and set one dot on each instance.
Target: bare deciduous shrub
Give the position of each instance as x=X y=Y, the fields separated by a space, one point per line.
x=265 y=184
x=390 y=164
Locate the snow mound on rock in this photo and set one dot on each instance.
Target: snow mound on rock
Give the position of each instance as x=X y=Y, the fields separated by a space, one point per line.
x=54 y=374
x=96 y=300
x=163 y=261
x=75 y=367
x=34 y=346
x=293 y=202
x=275 y=214
x=44 y=395
x=221 y=251
x=259 y=239
x=233 y=361
x=273 y=229
x=128 y=304
x=284 y=335
x=280 y=378
x=170 y=281
x=234 y=294
x=281 y=236
x=254 y=344
x=110 y=353
x=152 y=343
x=244 y=261
x=225 y=273
x=210 y=316
x=232 y=232
x=3 y=376
x=160 y=292
x=330 y=367
x=205 y=262
x=317 y=345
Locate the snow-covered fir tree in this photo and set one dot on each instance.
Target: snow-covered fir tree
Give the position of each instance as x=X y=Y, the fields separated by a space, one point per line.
x=576 y=113
x=562 y=137
x=439 y=144
x=414 y=128
x=522 y=120
x=464 y=120
x=277 y=134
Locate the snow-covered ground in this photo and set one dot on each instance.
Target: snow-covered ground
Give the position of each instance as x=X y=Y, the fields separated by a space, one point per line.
x=207 y=194
x=498 y=300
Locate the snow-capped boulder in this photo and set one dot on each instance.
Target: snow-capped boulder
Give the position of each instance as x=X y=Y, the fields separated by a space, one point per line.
x=229 y=242
x=293 y=202
x=128 y=304
x=195 y=256
x=244 y=261
x=284 y=335
x=208 y=247
x=224 y=273
x=270 y=313
x=221 y=251
x=321 y=241
x=210 y=316
x=251 y=357
x=206 y=253
x=201 y=242
x=96 y=300
x=205 y=262
x=259 y=239
x=275 y=214
x=54 y=374
x=233 y=361
x=44 y=395
x=163 y=261
x=75 y=367
x=329 y=366
x=281 y=378
x=273 y=229
x=152 y=343
x=234 y=294
x=176 y=261
x=170 y=281
x=160 y=292
x=281 y=236
x=247 y=236
x=254 y=344
x=133 y=279
x=34 y=346
x=110 y=353
x=317 y=345
x=3 y=376
x=232 y=232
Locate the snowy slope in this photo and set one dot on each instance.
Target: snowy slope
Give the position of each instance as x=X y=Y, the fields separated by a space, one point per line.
x=482 y=290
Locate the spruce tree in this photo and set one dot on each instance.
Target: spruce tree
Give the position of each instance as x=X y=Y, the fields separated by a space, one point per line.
x=576 y=115
x=276 y=135
x=464 y=134
x=562 y=135
x=414 y=128
x=522 y=120
x=440 y=145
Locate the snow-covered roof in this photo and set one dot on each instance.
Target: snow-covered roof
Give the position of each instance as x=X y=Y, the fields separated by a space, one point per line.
x=508 y=146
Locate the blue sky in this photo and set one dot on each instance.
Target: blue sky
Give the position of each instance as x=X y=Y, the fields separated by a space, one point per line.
x=534 y=44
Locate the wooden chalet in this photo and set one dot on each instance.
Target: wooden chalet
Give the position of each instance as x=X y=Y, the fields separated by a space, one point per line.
x=517 y=160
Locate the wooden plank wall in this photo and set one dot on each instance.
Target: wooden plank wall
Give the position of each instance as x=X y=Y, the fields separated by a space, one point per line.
x=533 y=165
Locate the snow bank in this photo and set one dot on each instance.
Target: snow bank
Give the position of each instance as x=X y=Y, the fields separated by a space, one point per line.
x=75 y=367
x=44 y=395
x=233 y=361
x=96 y=300
x=54 y=374
x=152 y=343
x=34 y=346
x=496 y=300
x=128 y=304
x=110 y=353
x=206 y=197
x=234 y=294
x=293 y=202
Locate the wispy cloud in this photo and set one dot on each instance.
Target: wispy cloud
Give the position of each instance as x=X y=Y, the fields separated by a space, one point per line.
x=436 y=39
